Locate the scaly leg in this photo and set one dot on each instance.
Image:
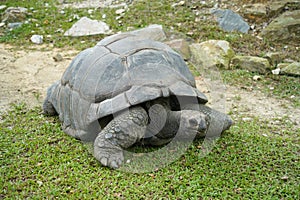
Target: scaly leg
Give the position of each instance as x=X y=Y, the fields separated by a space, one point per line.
x=123 y=131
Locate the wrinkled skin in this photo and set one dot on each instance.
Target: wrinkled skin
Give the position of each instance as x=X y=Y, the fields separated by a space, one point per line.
x=156 y=125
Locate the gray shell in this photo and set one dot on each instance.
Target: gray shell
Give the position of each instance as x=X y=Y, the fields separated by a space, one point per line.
x=120 y=71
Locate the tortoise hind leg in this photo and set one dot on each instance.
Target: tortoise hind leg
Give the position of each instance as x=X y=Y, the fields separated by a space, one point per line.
x=122 y=132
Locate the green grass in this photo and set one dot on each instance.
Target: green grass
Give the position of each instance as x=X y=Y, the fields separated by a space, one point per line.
x=39 y=161
x=254 y=160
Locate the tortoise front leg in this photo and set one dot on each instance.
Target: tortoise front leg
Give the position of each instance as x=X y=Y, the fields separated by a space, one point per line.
x=123 y=131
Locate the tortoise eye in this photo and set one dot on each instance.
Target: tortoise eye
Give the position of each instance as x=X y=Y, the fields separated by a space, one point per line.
x=193 y=122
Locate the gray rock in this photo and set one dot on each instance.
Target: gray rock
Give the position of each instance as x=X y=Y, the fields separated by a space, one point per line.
x=58 y=57
x=37 y=39
x=256 y=78
x=230 y=21
x=292 y=69
x=120 y=11
x=86 y=26
x=181 y=46
x=252 y=63
x=14 y=14
x=153 y=32
x=14 y=25
x=212 y=53
x=284 y=28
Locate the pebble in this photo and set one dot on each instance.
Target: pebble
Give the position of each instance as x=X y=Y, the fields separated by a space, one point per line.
x=120 y=11
x=256 y=78
x=247 y=119
x=14 y=25
x=276 y=71
x=58 y=57
x=37 y=39
x=2 y=7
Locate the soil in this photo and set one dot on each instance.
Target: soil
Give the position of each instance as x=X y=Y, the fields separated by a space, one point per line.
x=26 y=74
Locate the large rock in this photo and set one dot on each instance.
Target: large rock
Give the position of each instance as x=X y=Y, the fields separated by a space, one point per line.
x=274 y=58
x=252 y=63
x=284 y=28
x=14 y=14
x=276 y=7
x=181 y=46
x=212 y=53
x=230 y=21
x=86 y=26
x=292 y=69
x=154 y=32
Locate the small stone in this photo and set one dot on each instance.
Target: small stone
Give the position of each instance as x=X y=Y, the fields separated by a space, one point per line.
x=2 y=7
x=247 y=119
x=276 y=71
x=14 y=25
x=40 y=183
x=285 y=178
x=58 y=57
x=256 y=78
x=2 y=24
x=120 y=11
x=60 y=30
x=181 y=3
x=37 y=39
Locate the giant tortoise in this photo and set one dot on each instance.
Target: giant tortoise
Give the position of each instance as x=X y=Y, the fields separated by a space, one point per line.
x=128 y=90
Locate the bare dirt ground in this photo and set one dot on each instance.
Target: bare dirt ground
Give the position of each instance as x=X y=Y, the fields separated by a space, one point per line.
x=26 y=74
